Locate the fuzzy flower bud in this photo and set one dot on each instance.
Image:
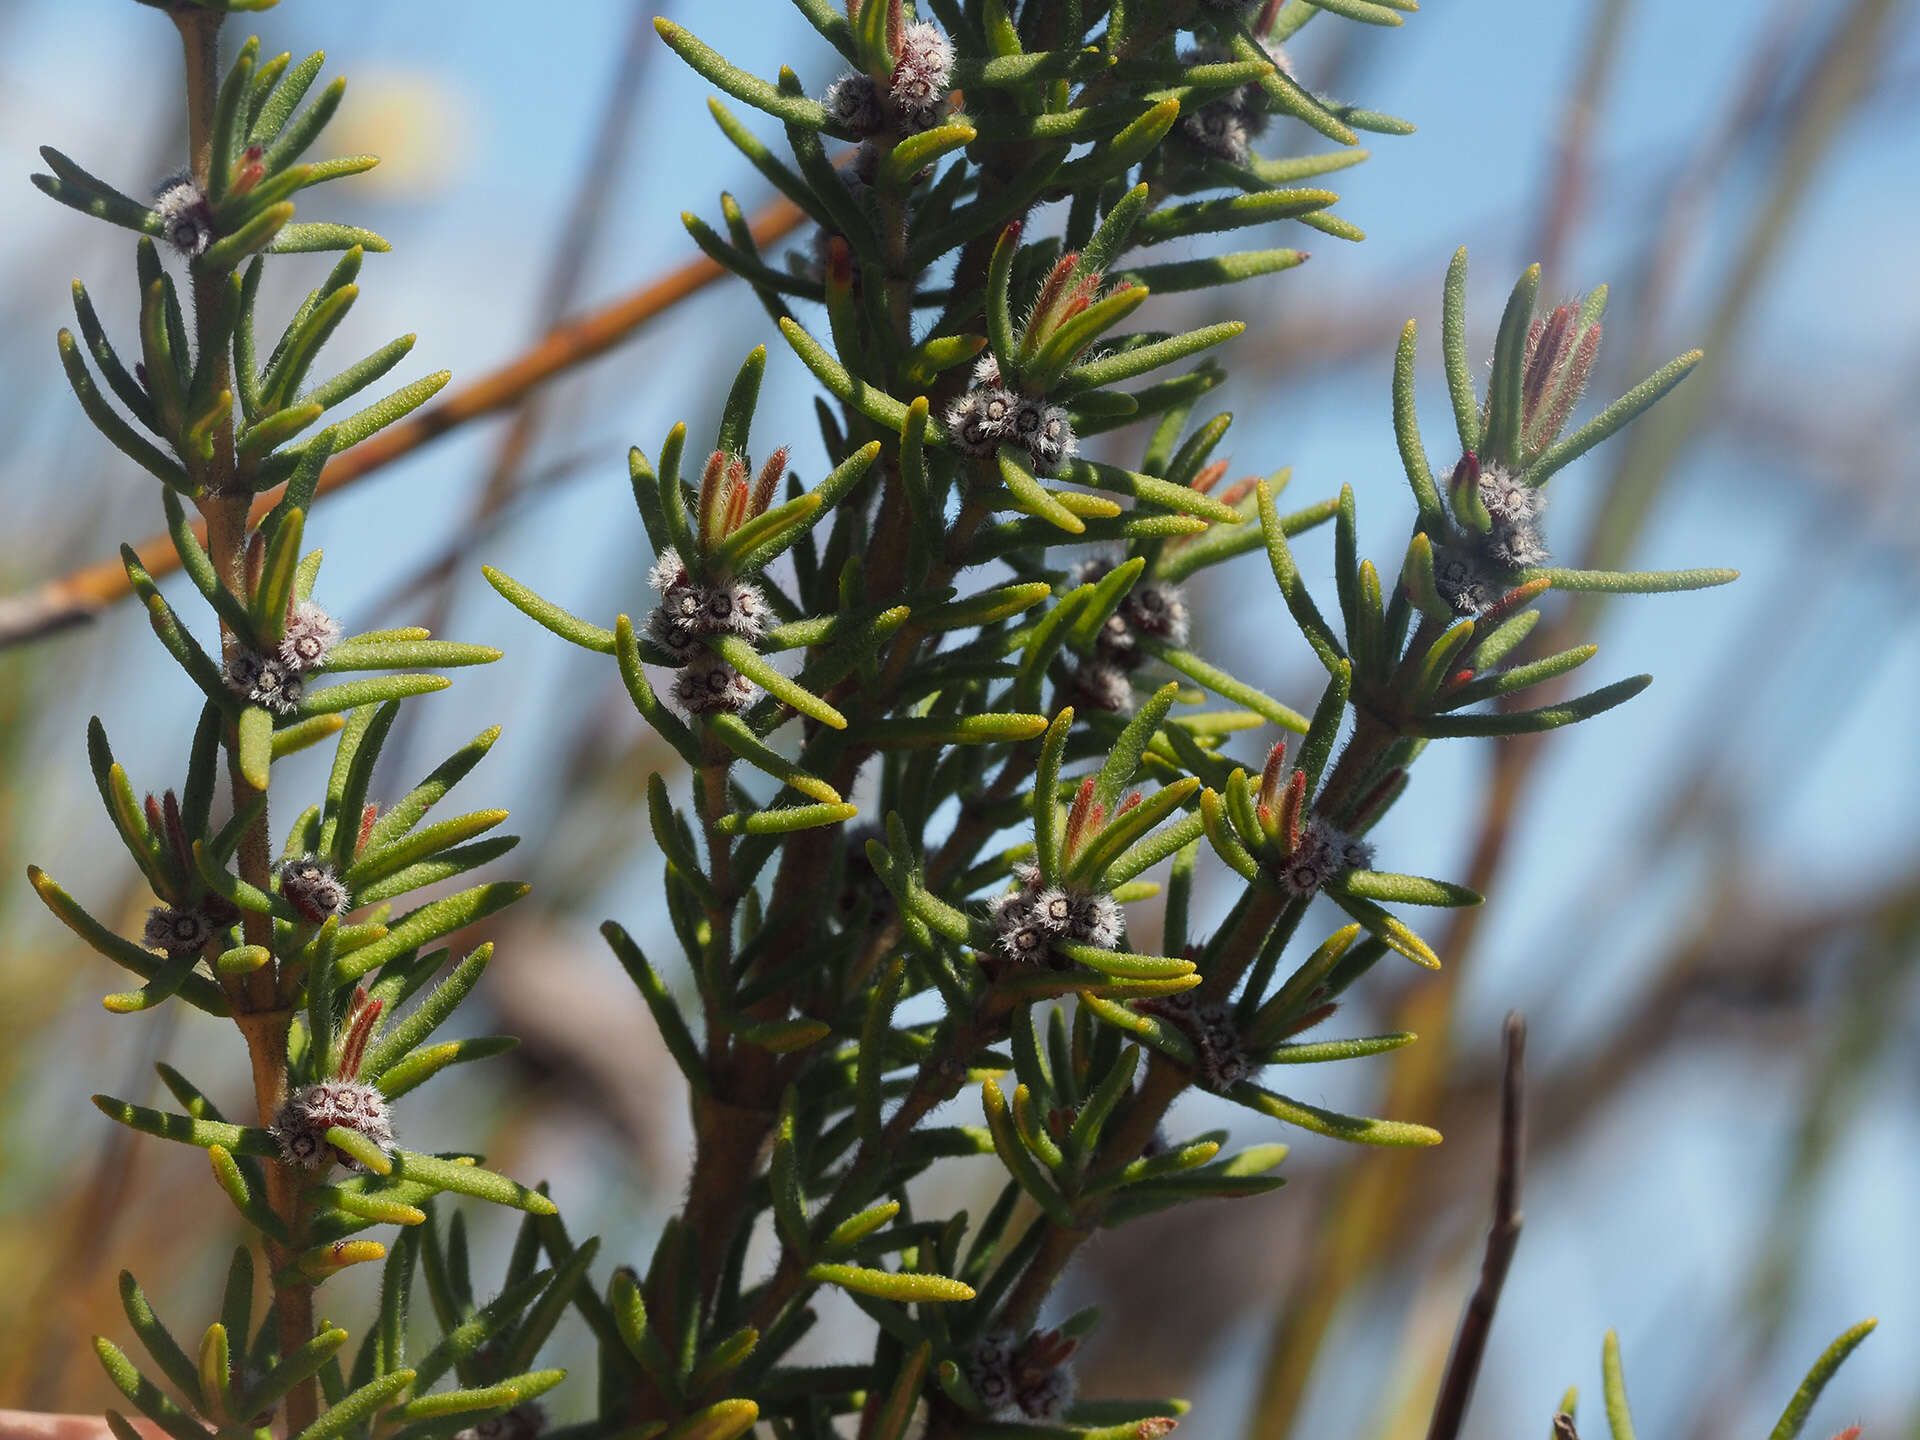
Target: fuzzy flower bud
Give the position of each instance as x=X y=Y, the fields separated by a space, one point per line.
x=309 y=635
x=1472 y=571
x=854 y=103
x=1324 y=851
x=525 y=1421
x=1029 y=920
x=980 y=419
x=1554 y=367
x=689 y=611
x=310 y=887
x=1220 y=1054
x=1152 y=608
x=921 y=75
x=265 y=680
x=707 y=685
x=186 y=217
x=989 y=1371
x=1103 y=686
x=177 y=931
x=1049 y=436
x=300 y=1125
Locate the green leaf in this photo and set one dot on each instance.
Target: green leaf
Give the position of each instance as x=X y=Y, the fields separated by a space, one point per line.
x=665 y=723
x=1286 y=95
x=471 y=1180
x=1182 y=499
x=916 y=152
x=1453 y=345
x=1384 y=925
x=666 y=1014
x=1615 y=417
x=1526 y=722
x=1405 y=889
x=1614 y=1384
x=429 y=922
x=366 y=653
x=782 y=821
x=332 y=699
x=237 y=1139
x=147 y=1397
x=515 y=1391
x=793 y=109
x=1176 y=276
x=406 y=812
x=255 y=234
x=1794 y=1417
x=744 y=658
x=1632 y=582
x=910 y=731
x=359 y=1406
x=906 y=1288
x=108 y=422
x=732 y=733
x=72 y=186
x=1125 y=364
x=167 y=1353
x=1033 y=497
x=1226 y=687
x=301 y=1365
x=1358 y=1129
x=727 y=1420
x=1406 y=431
x=1506 y=682
x=1206 y=217
x=196 y=990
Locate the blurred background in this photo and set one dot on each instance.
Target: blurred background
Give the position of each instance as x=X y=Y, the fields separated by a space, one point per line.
x=1707 y=903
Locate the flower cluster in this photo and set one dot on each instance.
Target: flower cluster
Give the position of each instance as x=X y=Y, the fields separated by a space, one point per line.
x=178 y=930
x=300 y=1126
x=1029 y=921
x=1152 y=609
x=1030 y=1379
x=1476 y=569
x=278 y=680
x=1226 y=126
x=1220 y=1053
x=310 y=886
x=1324 y=851
x=990 y=415
x=339 y=1099
x=911 y=99
x=1497 y=506
x=689 y=613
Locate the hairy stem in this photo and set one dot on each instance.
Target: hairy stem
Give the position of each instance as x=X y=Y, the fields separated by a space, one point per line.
x=261 y=1016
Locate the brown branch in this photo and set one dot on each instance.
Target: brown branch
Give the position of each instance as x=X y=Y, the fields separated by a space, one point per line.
x=82 y=594
x=1470 y=1344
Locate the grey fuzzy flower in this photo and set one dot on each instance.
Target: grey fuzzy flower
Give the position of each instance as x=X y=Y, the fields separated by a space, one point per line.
x=176 y=931
x=301 y=1124
x=186 y=218
x=707 y=685
x=309 y=885
x=310 y=634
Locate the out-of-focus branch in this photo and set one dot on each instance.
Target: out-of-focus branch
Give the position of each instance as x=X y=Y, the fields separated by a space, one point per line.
x=84 y=593
x=1470 y=1344
x=1368 y=1203
x=1572 y=158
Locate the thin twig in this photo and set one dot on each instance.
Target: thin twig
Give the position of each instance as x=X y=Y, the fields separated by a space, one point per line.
x=82 y=594
x=1470 y=1344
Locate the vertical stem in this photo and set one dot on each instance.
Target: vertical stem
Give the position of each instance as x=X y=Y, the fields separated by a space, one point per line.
x=260 y=1013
